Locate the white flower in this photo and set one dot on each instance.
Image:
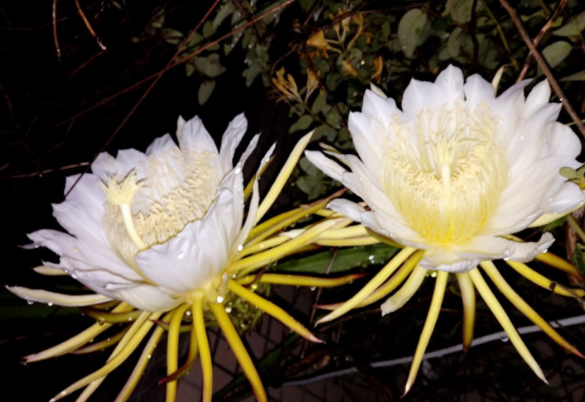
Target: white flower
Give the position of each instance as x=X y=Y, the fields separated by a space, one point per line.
x=151 y=228
x=458 y=169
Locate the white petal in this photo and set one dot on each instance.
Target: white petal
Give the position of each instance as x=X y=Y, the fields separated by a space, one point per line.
x=231 y=139
x=525 y=252
x=77 y=255
x=540 y=95
x=380 y=108
x=148 y=298
x=325 y=164
x=161 y=145
x=200 y=252
x=43 y=296
x=194 y=136
x=82 y=211
x=478 y=90
x=347 y=208
x=568 y=199
x=420 y=95
x=366 y=133
x=445 y=259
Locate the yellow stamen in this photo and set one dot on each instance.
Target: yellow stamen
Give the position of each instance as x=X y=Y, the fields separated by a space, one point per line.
x=239 y=350
x=496 y=308
x=370 y=286
x=428 y=328
x=273 y=310
x=524 y=307
x=468 y=297
x=203 y=346
x=403 y=295
x=173 y=350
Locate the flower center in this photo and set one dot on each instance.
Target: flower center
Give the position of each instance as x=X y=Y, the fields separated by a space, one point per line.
x=177 y=189
x=445 y=170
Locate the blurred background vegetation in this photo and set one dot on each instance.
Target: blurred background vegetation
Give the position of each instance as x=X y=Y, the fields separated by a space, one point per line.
x=81 y=77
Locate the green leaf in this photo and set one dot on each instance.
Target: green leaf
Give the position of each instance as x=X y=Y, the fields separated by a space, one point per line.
x=463 y=11
x=573 y=27
x=301 y=124
x=205 y=90
x=580 y=76
x=208 y=29
x=454 y=42
x=225 y=11
x=172 y=36
x=553 y=224
x=210 y=65
x=346 y=259
x=320 y=103
x=411 y=29
x=556 y=53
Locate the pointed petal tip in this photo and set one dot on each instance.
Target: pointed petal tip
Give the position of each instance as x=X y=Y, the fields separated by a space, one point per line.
x=313 y=338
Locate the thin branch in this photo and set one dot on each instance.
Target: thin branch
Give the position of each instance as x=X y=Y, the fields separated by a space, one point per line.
x=55 y=37
x=88 y=25
x=544 y=66
x=560 y=8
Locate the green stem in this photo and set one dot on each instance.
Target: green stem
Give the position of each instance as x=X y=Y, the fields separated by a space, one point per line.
x=577 y=228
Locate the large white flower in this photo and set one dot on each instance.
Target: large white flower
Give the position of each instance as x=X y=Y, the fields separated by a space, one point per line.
x=451 y=177
x=149 y=228
x=458 y=168
x=163 y=233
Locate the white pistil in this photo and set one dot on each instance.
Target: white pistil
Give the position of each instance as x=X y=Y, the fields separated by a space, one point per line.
x=129 y=223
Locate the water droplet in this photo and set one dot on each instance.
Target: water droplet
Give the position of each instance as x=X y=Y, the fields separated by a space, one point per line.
x=188 y=313
x=228 y=309
x=545 y=251
x=240 y=247
x=313 y=288
x=130 y=318
x=50 y=304
x=149 y=356
x=219 y=299
x=30 y=302
x=506 y=258
x=180 y=256
x=505 y=339
x=238 y=170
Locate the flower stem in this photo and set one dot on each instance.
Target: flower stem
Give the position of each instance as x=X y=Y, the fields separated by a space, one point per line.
x=578 y=229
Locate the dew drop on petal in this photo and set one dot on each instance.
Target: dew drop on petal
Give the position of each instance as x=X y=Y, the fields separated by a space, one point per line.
x=228 y=309
x=29 y=302
x=313 y=288
x=180 y=256
x=50 y=304
x=504 y=339
x=219 y=299
x=240 y=247
x=188 y=313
